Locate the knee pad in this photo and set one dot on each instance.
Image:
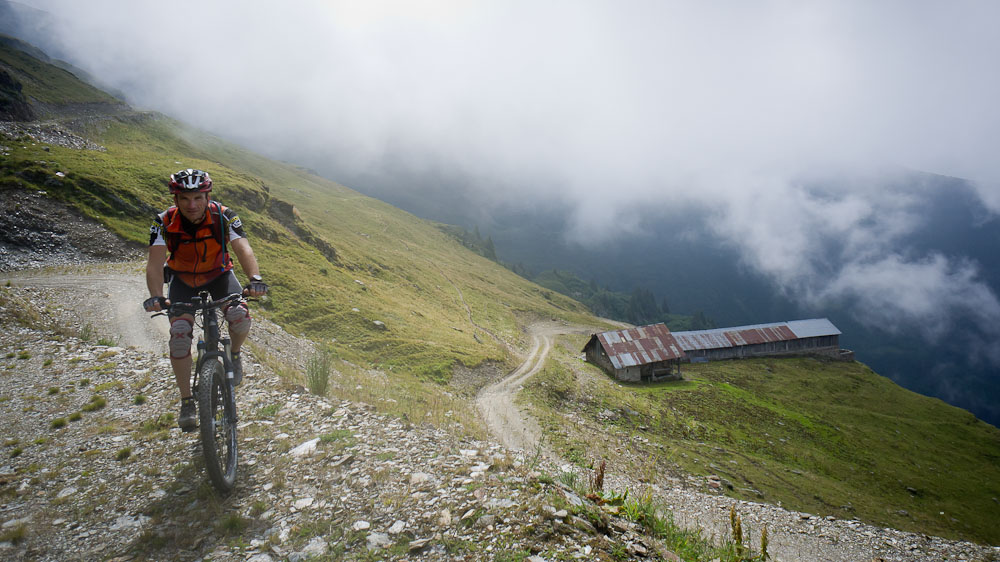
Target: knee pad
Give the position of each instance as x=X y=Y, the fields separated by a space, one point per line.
x=239 y=320
x=181 y=334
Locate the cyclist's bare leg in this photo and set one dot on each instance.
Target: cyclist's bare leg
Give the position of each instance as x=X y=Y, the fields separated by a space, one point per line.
x=182 y=374
x=237 y=341
x=181 y=335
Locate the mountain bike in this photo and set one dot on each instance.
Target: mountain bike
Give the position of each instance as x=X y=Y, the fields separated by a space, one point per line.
x=213 y=386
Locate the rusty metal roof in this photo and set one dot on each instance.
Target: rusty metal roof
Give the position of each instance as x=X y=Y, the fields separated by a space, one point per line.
x=755 y=334
x=640 y=346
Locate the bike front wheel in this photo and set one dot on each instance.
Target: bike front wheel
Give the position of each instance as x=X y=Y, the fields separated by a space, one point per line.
x=217 y=419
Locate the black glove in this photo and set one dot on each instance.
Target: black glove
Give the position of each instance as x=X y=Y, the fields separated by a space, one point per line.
x=256 y=286
x=152 y=301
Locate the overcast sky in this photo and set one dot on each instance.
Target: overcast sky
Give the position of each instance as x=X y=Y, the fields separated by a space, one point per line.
x=609 y=105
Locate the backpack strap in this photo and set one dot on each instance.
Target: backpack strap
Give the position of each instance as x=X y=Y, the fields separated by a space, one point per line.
x=222 y=231
x=169 y=237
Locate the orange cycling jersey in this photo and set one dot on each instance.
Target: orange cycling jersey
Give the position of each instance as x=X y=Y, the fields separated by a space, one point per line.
x=198 y=254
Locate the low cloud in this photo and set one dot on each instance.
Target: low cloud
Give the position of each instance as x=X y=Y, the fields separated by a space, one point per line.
x=921 y=293
x=744 y=109
x=846 y=241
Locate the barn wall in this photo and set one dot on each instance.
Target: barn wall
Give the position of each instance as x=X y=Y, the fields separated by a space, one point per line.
x=595 y=354
x=821 y=345
x=629 y=374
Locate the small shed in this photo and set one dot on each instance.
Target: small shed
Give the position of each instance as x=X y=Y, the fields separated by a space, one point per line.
x=646 y=353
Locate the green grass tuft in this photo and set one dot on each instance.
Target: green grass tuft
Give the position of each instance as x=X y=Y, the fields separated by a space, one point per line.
x=269 y=411
x=96 y=403
x=231 y=524
x=14 y=535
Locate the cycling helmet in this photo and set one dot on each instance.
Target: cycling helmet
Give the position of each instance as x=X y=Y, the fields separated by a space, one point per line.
x=190 y=181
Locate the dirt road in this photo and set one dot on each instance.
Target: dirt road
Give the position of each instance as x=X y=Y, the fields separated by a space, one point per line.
x=514 y=428
x=112 y=300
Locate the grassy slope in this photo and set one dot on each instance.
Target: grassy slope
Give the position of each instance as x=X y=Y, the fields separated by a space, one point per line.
x=819 y=436
x=47 y=83
x=390 y=266
x=842 y=438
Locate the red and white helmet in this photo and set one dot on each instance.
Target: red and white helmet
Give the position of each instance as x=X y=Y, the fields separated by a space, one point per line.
x=190 y=181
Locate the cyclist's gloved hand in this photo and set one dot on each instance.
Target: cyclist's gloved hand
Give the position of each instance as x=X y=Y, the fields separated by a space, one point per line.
x=155 y=304
x=256 y=287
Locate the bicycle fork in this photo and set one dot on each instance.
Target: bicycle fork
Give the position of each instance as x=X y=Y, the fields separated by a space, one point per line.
x=226 y=362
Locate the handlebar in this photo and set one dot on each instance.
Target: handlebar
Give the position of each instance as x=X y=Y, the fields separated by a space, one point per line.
x=201 y=302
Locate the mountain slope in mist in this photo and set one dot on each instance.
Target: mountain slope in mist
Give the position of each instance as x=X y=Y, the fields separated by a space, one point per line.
x=378 y=284
x=935 y=338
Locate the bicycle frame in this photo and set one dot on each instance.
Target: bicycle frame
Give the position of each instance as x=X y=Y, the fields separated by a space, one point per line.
x=208 y=344
x=216 y=400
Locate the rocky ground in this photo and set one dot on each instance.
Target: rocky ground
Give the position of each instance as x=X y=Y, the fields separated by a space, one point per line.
x=52 y=133
x=36 y=231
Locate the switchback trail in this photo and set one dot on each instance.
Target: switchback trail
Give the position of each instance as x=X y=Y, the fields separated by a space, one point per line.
x=516 y=429
x=496 y=402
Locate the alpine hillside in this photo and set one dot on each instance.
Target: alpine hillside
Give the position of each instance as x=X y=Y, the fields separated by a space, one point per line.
x=408 y=327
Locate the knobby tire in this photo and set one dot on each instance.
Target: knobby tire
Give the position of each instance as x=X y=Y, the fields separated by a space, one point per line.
x=218 y=432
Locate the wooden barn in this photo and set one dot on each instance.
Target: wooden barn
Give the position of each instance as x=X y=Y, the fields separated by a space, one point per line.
x=797 y=337
x=646 y=353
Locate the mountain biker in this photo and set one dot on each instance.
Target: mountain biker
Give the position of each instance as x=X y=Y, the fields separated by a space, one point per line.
x=198 y=232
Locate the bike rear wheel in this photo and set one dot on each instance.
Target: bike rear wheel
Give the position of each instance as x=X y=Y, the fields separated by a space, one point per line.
x=217 y=419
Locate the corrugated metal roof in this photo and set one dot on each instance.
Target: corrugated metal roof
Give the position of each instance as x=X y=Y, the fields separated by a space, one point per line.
x=813 y=328
x=755 y=334
x=640 y=346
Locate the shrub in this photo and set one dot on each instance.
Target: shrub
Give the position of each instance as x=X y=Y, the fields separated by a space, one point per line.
x=58 y=423
x=123 y=454
x=75 y=416
x=318 y=372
